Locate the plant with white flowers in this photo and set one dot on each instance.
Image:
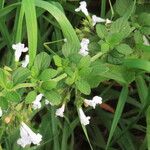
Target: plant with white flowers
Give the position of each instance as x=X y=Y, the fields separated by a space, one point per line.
x=28 y=136
x=19 y=49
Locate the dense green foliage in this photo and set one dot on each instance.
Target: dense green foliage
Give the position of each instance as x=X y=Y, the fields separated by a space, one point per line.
x=117 y=68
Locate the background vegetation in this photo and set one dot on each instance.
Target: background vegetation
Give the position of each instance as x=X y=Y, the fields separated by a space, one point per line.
x=123 y=120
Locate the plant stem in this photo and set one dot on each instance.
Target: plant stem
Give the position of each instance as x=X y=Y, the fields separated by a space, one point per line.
x=103 y=8
x=62 y=76
x=96 y=56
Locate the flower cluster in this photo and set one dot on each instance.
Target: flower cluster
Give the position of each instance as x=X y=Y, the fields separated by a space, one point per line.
x=28 y=136
x=19 y=49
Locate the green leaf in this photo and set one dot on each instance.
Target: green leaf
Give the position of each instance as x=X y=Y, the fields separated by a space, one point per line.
x=13 y=97
x=119 y=74
x=137 y=64
x=84 y=62
x=49 y=85
x=66 y=49
x=42 y=61
x=53 y=96
x=101 y=31
x=113 y=40
x=30 y=97
x=121 y=102
x=31 y=22
x=105 y=47
x=20 y=75
x=57 y=60
x=122 y=6
x=48 y=74
x=83 y=87
x=144 y=19
x=3 y=78
x=124 y=49
x=122 y=27
x=148 y=127
x=3 y=102
x=145 y=30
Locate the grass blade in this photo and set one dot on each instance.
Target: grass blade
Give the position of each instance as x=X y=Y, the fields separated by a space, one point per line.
x=118 y=112
x=31 y=23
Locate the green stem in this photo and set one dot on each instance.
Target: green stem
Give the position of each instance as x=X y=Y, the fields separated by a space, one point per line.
x=103 y=8
x=96 y=56
x=62 y=76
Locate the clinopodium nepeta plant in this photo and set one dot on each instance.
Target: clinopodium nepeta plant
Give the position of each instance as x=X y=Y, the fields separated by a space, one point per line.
x=115 y=49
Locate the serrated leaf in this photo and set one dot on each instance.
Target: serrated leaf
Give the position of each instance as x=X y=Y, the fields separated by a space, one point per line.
x=122 y=27
x=101 y=31
x=49 y=85
x=48 y=74
x=124 y=49
x=20 y=75
x=84 y=62
x=122 y=6
x=13 y=96
x=114 y=39
x=3 y=102
x=3 y=78
x=66 y=49
x=53 y=96
x=83 y=87
x=144 y=19
x=30 y=97
x=42 y=61
x=57 y=60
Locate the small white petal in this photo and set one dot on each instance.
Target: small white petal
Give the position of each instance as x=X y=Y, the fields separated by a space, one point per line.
x=146 y=42
x=19 y=48
x=60 y=111
x=36 y=105
x=83 y=118
x=1 y=112
x=47 y=102
x=84 y=47
x=90 y=103
x=25 y=62
x=36 y=102
x=108 y=21
x=82 y=8
x=96 y=19
x=97 y=99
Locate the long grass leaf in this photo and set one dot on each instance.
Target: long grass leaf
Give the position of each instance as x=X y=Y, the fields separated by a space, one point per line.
x=118 y=112
x=31 y=22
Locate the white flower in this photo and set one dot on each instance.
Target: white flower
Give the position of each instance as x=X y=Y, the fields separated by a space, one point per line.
x=36 y=102
x=82 y=8
x=83 y=118
x=1 y=112
x=25 y=62
x=96 y=19
x=19 y=48
x=108 y=21
x=146 y=42
x=96 y=100
x=48 y=102
x=28 y=136
x=60 y=111
x=84 y=47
